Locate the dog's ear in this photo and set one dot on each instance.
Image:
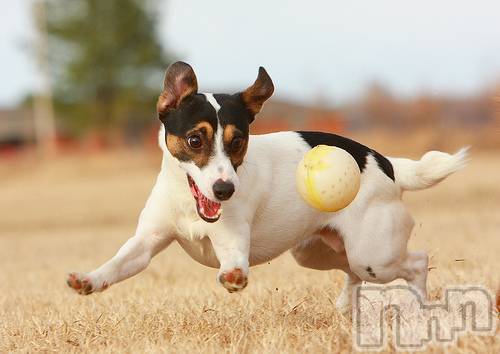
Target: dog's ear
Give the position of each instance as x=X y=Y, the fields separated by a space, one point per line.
x=180 y=82
x=255 y=96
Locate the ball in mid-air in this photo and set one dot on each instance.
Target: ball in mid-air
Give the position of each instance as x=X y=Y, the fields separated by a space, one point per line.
x=328 y=178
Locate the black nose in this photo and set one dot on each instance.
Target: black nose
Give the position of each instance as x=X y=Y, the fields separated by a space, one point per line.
x=223 y=190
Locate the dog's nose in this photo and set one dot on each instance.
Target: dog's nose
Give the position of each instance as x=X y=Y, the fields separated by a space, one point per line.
x=223 y=190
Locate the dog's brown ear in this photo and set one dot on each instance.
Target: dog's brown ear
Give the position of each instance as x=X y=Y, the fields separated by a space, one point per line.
x=255 y=96
x=180 y=82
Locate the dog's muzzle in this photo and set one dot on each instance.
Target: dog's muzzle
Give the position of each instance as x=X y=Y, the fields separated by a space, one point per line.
x=223 y=190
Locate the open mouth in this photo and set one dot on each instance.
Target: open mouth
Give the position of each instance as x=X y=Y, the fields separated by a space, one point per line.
x=207 y=210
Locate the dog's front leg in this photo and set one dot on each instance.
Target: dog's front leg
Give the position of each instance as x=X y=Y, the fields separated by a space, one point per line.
x=232 y=247
x=132 y=258
x=154 y=233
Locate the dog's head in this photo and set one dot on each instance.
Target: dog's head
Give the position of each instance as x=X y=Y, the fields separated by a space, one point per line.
x=208 y=133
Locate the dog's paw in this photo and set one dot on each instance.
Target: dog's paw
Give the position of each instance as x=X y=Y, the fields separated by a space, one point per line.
x=233 y=280
x=83 y=284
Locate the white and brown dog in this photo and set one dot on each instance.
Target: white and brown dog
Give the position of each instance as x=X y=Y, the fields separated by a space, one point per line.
x=230 y=198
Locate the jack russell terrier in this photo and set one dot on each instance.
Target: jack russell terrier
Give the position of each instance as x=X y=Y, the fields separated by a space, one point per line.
x=230 y=199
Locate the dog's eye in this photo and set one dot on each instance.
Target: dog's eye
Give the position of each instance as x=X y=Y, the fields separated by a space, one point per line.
x=194 y=141
x=236 y=144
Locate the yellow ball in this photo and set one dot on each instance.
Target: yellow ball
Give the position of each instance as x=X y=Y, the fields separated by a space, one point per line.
x=328 y=178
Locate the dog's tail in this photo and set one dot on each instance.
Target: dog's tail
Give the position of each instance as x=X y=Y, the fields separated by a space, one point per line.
x=431 y=169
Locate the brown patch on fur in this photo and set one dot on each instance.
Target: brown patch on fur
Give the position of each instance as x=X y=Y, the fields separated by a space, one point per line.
x=255 y=96
x=230 y=132
x=206 y=128
x=179 y=148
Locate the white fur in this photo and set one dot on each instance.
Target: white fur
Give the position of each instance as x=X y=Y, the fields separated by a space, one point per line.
x=431 y=169
x=266 y=217
x=211 y=99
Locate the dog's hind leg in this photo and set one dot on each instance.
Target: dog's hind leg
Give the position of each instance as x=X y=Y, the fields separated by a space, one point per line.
x=344 y=300
x=377 y=247
x=415 y=270
x=325 y=251
x=315 y=253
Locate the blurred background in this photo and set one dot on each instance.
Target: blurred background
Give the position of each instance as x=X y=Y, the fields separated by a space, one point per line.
x=78 y=157
x=83 y=76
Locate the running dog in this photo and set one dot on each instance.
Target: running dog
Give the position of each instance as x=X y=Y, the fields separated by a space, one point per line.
x=230 y=199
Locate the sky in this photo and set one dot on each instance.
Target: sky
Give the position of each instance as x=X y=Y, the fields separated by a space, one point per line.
x=326 y=51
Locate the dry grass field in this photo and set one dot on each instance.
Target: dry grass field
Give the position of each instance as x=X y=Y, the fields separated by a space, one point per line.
x=74 y=213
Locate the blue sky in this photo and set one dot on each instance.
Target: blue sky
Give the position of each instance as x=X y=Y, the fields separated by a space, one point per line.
x=313 y=50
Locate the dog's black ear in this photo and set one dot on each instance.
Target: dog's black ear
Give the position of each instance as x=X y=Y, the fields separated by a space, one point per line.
x=180 y=82
x=255 y=96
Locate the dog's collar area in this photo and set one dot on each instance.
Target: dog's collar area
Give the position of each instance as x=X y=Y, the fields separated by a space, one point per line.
x=207 y=209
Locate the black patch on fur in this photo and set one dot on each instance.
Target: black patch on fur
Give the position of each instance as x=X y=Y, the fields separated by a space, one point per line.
x=370 y=272
x=192 y=110
x=195 y=109
x=384 y=164
x=234 y=111
x=357 y=150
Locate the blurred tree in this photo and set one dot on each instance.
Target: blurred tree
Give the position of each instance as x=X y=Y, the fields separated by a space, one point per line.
x=106 y=61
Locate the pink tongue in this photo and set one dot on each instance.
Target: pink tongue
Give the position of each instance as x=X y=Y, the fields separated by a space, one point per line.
x=210 y=208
